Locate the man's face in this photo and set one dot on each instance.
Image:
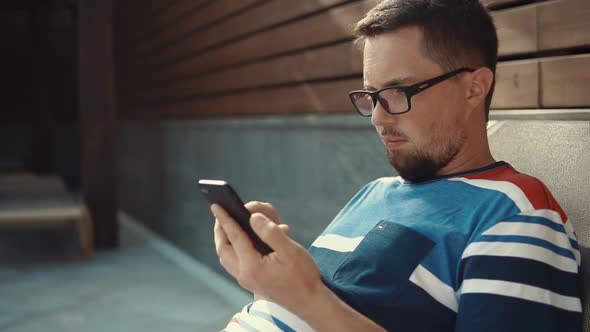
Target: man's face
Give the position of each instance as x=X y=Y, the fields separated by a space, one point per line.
x=423 y=141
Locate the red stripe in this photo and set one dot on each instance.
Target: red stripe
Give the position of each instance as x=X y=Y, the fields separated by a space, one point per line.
x=536 y=192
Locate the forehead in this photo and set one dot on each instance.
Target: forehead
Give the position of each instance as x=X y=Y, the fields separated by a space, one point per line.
x=395 y=55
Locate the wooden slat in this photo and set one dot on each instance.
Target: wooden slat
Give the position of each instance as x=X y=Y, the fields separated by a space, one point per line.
x=343 y=59
x=494 y=3
x=168 y=12
x=565 y=81
x=564 y=24
x=98 y=117
x=265 y=15
x=42 y=147
x=517 y=30
x=517 y=85
x=19 y=98
x=327 y=27
x=190 y=21
x=307 y=98
x=133 y=19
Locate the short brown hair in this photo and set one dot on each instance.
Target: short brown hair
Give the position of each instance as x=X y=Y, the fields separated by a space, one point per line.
x=457 y=33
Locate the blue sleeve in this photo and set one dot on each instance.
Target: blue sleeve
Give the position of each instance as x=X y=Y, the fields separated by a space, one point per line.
x=521 y=274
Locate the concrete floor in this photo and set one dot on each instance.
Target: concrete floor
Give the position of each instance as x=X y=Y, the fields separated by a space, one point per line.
x=145 y=285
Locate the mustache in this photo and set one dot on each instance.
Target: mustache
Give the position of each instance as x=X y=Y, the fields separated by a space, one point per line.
x=391 y=132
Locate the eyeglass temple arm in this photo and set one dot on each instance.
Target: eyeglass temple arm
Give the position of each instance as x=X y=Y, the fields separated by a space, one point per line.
x=419 y=87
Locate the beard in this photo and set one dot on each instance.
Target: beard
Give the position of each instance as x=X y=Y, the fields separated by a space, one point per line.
x=427 y=159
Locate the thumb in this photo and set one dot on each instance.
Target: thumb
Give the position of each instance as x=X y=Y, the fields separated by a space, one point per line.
x=285 y=229
x=270 y=233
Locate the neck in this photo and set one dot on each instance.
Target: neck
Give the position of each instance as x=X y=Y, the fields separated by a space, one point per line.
x=472 y=155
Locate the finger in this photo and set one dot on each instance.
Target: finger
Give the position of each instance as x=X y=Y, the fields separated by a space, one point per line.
x=270 y=233
x=285 y=229
x=265 y=208
x=221 y=240
x=239 y=240
x=225 y=251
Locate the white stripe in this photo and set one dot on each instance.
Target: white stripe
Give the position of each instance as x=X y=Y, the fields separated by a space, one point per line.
x=532 y=230
x=435 y=287
x=337 y=242
x=545 y=213
x=521 y=291
x=234 y=327
x=521 y=250
x=555 y=217
x=509 y=189
x=282 y=314
x=258 y=323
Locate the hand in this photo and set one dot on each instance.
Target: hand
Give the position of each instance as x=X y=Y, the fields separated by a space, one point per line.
x=269 y=211
x=287 y=276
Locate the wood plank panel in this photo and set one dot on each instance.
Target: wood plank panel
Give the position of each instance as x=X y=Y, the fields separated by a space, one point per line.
x=517 y=30
x=133 y=19
x=169 y=12
x=18 y=86
x=330 y=26
x=565 y=81
x=265 y=15
x=42 y=147
x=333 y=61
x=98 y=117
x=564 y=24
x=198 y=19
x=328 y=97
x=517 y=85
x=495 y=3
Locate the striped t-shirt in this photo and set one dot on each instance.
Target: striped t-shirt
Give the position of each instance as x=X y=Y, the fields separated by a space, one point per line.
x=486 y=250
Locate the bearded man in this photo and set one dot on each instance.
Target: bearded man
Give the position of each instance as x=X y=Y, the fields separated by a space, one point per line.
x=457 y=242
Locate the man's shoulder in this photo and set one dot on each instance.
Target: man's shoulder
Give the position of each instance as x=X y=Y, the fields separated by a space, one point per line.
x=527 y=191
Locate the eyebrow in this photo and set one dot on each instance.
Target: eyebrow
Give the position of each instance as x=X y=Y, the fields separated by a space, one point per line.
x=392 y=82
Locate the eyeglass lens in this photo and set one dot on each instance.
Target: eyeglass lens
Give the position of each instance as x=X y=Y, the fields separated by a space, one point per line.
x=392 y=100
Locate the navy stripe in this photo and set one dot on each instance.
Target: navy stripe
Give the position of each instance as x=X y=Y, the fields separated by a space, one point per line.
x=574 y=244
x=494 y=313
x=411 y=309
x=521 y=270
x=539 y=221
x=327 y=260
x=528 y=240
x=277 y=322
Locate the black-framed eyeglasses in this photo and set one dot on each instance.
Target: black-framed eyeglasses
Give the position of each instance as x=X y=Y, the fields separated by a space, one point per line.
x=395 y=99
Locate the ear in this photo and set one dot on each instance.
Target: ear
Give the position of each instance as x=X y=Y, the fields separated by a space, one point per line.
x=481 y=83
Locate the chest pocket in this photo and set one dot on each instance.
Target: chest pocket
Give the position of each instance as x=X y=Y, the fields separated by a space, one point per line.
x=383 y=260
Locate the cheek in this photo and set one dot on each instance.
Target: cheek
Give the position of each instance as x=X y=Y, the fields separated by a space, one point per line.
x=432 y=119
x=432 y=134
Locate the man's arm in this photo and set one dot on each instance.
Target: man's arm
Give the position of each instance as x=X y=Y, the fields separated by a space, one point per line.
x=288 y=276
x=521 y=275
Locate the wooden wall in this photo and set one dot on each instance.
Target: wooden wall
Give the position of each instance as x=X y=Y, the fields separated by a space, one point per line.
x=38 y=65
x=228 y=57
x=545 y=48
x=16 y=84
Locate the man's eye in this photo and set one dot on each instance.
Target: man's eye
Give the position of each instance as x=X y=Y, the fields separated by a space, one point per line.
x=392 y=93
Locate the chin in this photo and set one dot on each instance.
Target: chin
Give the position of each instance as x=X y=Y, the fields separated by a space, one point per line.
x=416 y=167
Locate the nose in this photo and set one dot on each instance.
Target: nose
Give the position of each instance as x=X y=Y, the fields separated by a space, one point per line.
x=379 y=117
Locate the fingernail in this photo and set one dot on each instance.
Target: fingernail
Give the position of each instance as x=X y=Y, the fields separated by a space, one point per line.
x=214 y=209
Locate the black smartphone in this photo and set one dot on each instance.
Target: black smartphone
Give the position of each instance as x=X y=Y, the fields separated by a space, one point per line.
x=222 y=193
